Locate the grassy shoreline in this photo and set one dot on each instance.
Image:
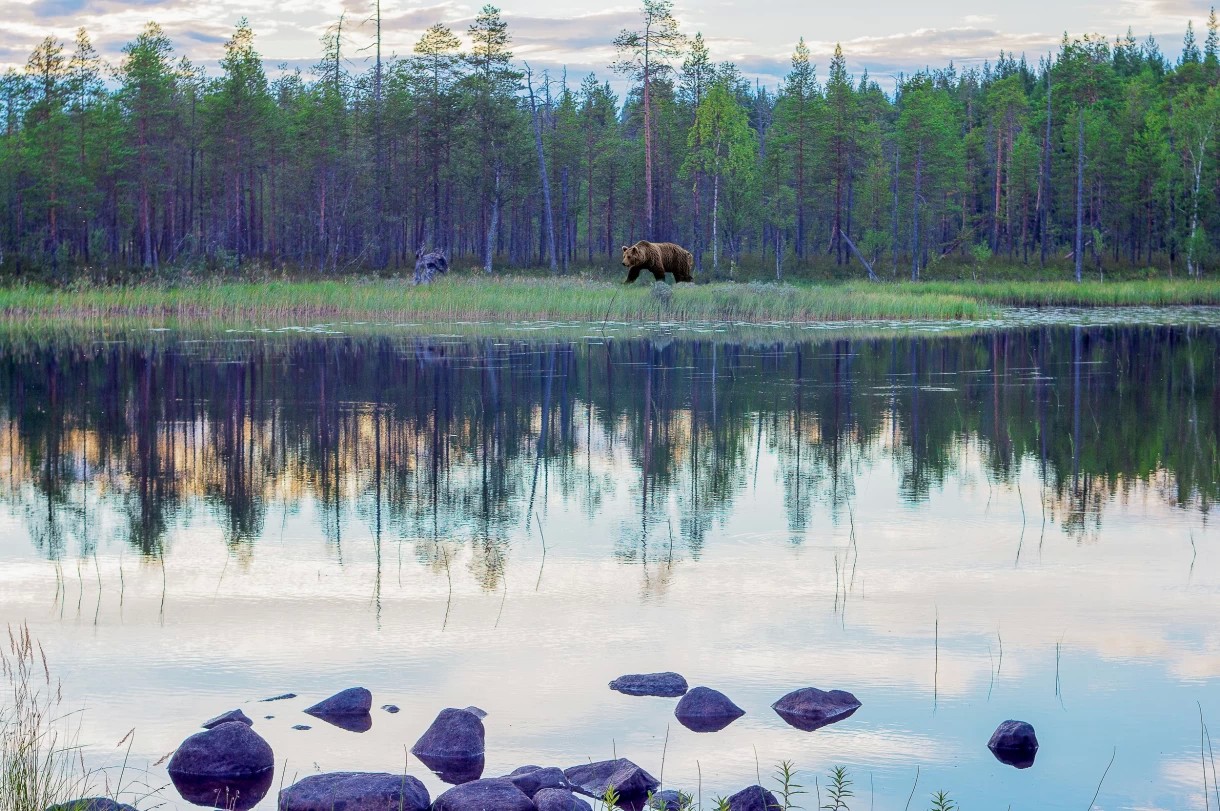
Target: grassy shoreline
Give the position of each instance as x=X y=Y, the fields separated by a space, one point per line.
x=569 y=299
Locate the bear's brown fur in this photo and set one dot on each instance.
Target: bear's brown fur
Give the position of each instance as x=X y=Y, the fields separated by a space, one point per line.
x=658 y=258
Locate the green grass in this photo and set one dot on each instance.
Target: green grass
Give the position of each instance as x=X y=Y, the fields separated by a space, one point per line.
x=500 y=299
x=39 y=763
x=1146 y=293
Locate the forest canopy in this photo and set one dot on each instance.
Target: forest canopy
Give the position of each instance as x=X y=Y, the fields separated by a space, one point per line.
x=1099 y=158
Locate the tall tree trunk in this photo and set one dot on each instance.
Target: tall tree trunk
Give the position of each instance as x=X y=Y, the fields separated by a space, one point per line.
x=548 y=217
x=648 y=199
x=1044 y=189
x=915 y=214
x=1079 y=253
x=495 y=223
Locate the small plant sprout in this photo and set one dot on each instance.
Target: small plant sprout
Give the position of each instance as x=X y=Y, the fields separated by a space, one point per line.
x=610 y=799
x=941 y=802
x=838 y=790
x=785 y=775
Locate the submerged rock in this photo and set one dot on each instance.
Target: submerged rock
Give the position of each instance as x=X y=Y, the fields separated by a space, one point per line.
x=626 y=778
x=390 y=708
x=495 y=793
x=670 y=800
x=283 y=697
x=706 y=710
x=302 y=727
x=232 y=794
x=665 y=685
x=532 y=779
x=558 y=799
x=231 y=749
x=810 y=708
x=1014 y=744
x=352 y=701
x=754 y=798
x=231 y=715
x=91 y=804
x=356 y=791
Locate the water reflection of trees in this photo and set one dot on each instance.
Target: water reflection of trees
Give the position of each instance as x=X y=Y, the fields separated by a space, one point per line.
x=436 y=440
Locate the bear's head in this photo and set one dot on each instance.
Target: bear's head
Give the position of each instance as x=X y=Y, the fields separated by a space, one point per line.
x=633 y=255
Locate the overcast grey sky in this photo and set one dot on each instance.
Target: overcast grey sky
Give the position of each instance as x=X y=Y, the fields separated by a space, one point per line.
x=883 y=36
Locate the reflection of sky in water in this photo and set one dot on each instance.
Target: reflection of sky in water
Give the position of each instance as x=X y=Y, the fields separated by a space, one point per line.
x=1108 y=635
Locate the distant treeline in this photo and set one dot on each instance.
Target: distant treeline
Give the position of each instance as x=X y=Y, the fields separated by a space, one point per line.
x=1103 y=154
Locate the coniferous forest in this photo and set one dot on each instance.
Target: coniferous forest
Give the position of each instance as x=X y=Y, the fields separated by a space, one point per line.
x=1099 y=158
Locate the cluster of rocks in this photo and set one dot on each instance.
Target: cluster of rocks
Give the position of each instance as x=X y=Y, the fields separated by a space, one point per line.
x=229 y=765
x=703 y=709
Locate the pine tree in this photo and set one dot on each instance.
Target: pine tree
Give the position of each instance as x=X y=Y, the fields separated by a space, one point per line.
x=644 y=56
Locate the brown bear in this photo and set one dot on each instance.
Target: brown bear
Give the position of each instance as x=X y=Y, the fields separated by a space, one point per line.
x=658 y=258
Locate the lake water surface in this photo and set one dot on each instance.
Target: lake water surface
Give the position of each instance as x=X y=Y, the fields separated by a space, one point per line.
x=959 y=529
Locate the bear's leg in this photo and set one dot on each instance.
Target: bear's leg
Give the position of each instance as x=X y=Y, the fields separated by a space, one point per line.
x=633 y=275
x=659 y=275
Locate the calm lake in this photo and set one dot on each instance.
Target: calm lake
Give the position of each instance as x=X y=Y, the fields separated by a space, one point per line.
x=959 y=529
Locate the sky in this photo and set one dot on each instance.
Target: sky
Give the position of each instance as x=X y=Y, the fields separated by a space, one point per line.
x=885 y=37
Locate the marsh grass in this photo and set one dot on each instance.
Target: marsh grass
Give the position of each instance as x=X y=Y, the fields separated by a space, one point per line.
x=1138 y=293
x=494 y=299
x=40 y=763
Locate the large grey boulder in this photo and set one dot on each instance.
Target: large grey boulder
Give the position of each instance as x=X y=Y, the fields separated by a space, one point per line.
x=224 y=718
x=356 y=791
x=706 y=710
x=558 y=799
x=754 y=798
x=665 y=685
x=1014 y=744
x=532 y=779
x=453 y=746
x=352 y=701
x=810 y=708
x=231 y=749
x=626 y=778
x=91 y=804
x=493 y=794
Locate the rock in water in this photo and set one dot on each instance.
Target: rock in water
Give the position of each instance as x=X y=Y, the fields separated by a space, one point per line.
x=454 y=733
x=706 y=710
x=231 y=715
x=626 y=778
x=810 y=708
x=1014 y=744
x=356 y=791
x=494 y=794
x=532 y=779
x=281 y=697
x=91 y=804
x=754 y=798
x=453 y=746
x=352 y=701
x=392 y=709
x=557 y=799
x=665 y=685
x=231 y=749
x=670 y=800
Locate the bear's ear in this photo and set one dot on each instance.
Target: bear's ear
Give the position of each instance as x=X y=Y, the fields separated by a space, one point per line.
x=624 y=249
